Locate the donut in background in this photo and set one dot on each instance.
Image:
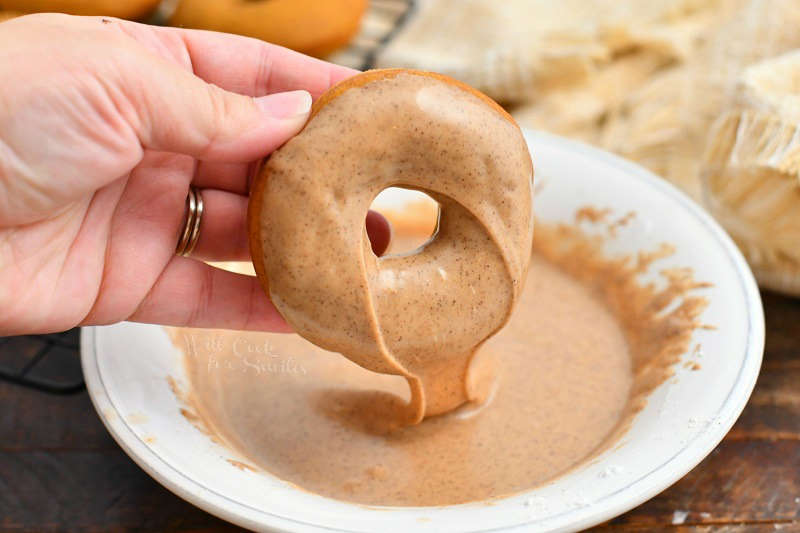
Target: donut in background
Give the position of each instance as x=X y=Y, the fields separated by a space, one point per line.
x=312 y=27
x=127 y=9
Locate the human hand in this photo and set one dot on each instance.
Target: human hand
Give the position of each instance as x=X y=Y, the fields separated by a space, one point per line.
x=104 y=124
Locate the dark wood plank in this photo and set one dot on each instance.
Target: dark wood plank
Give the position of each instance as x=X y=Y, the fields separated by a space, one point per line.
x=48 y=491
x=16 y=353
x=60 y=470
x=773 y=411
x=61 y=365
x=741 y=482
x=783 y=331
x=33 y=420
x=749 y=527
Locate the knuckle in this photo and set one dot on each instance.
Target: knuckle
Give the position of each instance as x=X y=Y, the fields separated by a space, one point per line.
x=222 y=109
x=263 y=78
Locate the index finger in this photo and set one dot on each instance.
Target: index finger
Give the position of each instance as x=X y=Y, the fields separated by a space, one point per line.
x=254 y=68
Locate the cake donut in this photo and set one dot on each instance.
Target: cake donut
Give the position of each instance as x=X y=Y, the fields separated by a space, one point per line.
x=308 y=26
x=420 y=315
x=127 y=9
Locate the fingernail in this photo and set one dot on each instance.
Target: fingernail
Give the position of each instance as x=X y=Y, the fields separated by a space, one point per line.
x=292 y=104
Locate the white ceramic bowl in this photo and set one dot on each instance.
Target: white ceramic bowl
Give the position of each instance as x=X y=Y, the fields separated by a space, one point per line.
x=126 y=367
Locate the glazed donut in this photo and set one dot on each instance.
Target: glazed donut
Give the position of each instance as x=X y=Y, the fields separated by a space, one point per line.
x=308 y=26
x=419 y=315
x=126 y=9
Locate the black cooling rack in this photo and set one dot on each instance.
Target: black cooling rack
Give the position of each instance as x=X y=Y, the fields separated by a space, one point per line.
x=381 y=23
x=51 y=363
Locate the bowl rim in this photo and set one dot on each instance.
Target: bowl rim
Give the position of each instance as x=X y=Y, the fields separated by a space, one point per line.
x=633 y=494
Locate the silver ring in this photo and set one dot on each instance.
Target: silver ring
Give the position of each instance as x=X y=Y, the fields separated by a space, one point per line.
x=190 y=233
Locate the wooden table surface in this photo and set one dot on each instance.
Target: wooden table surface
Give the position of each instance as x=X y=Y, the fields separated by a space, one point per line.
x=61 y=471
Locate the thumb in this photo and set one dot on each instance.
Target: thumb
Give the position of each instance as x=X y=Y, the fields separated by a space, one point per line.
x=180 y=113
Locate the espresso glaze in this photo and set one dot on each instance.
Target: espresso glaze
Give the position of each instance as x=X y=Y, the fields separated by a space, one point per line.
x=586 y=345
x=329 y=426
x=418 y=315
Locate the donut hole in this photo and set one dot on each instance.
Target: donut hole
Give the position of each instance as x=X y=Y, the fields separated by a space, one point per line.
x=413 y=215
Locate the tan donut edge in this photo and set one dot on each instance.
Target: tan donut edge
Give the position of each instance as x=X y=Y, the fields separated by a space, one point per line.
x=369 y=76
x=254 y=206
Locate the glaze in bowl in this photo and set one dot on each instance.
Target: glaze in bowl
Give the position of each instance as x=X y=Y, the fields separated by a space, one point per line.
x=127 y=365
